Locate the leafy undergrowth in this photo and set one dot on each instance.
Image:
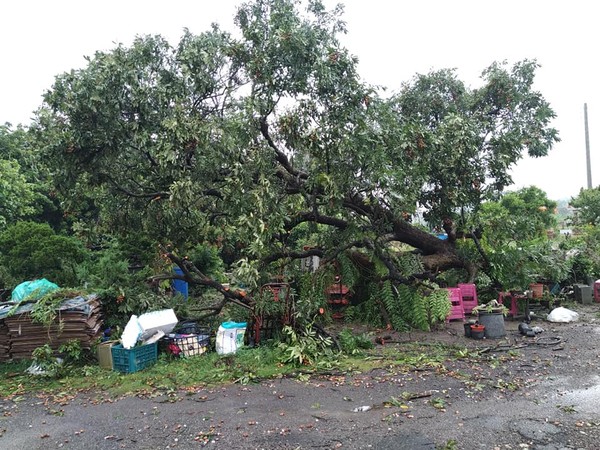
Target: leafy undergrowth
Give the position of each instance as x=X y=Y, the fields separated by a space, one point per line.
x=246 y=366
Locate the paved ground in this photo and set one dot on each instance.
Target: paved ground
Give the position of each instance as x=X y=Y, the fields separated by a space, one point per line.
x=538 y=396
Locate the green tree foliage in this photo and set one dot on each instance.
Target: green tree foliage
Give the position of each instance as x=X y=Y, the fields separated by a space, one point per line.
x=16 y=191
x=582 y=254
x=587 y=204
x=516 y=241
x=467 y=140
x=30 y=250
x=26 y=189
x=16 y=194
x=519 y=216
x=239 y=140
x=123 y=289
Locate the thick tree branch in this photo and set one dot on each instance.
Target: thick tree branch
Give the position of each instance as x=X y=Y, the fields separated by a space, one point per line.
x=193 y=275
x=280 y=157
x=316 y=218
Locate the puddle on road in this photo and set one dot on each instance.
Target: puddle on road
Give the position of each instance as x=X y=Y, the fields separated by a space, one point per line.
x=584 y=400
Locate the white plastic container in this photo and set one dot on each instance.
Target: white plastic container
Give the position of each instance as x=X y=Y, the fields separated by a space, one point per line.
x=230 y=337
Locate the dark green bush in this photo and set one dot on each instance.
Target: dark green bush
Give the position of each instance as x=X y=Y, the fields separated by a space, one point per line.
x=31 y=250
x=206 y=258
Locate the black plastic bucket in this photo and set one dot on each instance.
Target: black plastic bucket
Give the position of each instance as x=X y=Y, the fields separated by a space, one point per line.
x=494 y=324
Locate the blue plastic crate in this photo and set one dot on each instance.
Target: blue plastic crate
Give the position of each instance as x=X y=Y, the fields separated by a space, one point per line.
x=134 y=359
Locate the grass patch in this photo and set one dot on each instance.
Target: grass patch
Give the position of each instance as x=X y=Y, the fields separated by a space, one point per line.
x=246 y=366
x=167 y=374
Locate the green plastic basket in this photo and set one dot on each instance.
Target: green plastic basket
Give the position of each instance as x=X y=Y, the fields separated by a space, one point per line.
x=134 y=359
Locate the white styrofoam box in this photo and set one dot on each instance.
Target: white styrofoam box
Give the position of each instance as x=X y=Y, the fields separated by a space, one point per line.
x=163 y=320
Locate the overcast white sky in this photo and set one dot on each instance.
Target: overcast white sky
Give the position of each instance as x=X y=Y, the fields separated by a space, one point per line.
x=393 y=40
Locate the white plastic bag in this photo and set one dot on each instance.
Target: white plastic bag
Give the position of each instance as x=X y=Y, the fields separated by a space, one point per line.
x=230 y=337
x=562 y=315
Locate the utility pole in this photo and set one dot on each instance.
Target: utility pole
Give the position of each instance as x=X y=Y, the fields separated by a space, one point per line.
x=587 y=147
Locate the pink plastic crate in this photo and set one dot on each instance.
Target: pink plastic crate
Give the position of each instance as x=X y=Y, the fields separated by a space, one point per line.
x=505 y=298
x=597 y=291
x=456 y=310
x=469 y=296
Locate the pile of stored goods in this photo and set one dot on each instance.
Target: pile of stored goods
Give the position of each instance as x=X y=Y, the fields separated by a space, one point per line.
x=22 y=331
x=4 y=342
x=40 y=314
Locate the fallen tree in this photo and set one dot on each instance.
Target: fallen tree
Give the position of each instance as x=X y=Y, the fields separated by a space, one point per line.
x=270 y=141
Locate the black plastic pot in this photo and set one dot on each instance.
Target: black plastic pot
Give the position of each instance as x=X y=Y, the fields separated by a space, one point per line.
x=467 y=330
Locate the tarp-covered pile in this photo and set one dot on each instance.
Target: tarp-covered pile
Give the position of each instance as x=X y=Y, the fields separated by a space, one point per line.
x=77 y=318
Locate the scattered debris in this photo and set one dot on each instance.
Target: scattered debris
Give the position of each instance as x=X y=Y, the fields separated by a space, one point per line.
x=526 y=330
x=362 y=409
x=406 y=396
x=36 y=369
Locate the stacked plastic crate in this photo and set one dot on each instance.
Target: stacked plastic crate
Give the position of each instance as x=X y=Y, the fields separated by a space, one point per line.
x=457 y=311
x=469 y=296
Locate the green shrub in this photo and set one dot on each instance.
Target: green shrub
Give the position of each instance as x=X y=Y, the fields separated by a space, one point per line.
x=123 y=291
x=207 y=260
x=305 y=346
x=31 y=250
x=352 y=343
x=61 y=363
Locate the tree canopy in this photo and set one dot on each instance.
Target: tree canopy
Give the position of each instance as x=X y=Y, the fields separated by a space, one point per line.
x=516 y=246
x=16 y=192
x=519 y=216
x=25 y=190
x=242 y=140
x=587 y=204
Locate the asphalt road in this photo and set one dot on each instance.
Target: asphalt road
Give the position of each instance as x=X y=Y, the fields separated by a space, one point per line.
x=535 y=397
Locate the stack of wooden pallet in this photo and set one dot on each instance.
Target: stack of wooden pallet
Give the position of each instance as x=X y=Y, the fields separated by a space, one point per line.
x=78 y=319
x=4 y=342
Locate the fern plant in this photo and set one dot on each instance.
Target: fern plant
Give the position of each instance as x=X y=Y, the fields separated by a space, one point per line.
x=419 y=309
x=398 y=313
x=412 y=307
x=347 y=271
x=438 y=306
x=408 y=263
